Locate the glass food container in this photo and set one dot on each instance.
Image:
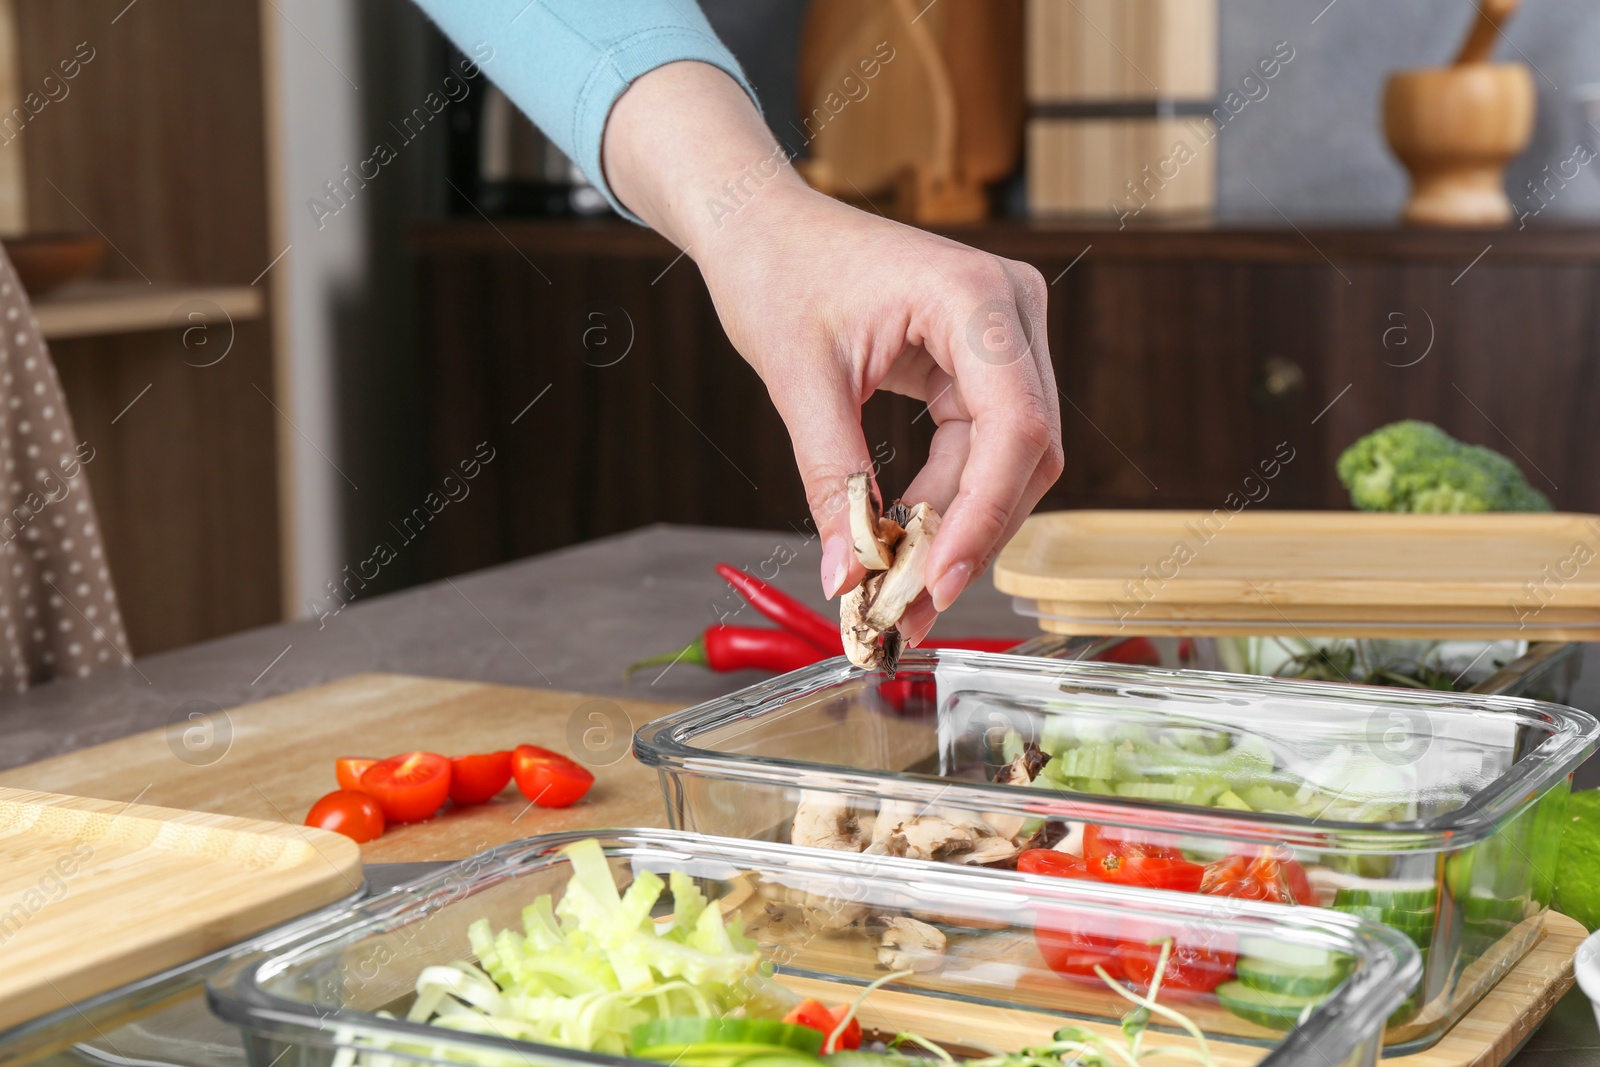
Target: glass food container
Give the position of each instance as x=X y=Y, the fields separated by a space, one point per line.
x=1439 y=814
x=1540 y=670
x=973 y=961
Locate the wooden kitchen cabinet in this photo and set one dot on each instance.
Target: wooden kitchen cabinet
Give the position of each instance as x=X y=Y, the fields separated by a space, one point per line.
x=1190 y=361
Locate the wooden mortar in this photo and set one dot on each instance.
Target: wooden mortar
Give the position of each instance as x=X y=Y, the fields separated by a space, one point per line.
x=1456 y=127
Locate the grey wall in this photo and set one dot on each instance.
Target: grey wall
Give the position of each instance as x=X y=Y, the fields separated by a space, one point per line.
x=1314 y=144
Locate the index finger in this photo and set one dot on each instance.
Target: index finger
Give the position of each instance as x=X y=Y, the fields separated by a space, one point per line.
x=1014 y=444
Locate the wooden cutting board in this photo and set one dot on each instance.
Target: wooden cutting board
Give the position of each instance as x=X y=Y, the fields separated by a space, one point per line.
x=95 y=894
x=273 y=759
x=1480 y=576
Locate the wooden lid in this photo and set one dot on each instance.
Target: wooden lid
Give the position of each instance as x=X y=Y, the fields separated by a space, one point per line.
x=1484 y=576
x=95 y=894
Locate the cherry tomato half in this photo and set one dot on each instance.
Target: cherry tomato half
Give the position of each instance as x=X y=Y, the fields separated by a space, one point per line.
x=1191 y=967
x=1049 y=861
x=349 y=770
x=408 y=788
x=355 y=815
x=816 y=1015
x=1261 y=877
x=1116 y=856
x=547 y=778
x=475 y=779
x=1100 y=841
x=1072 y=946
x=1148 y=871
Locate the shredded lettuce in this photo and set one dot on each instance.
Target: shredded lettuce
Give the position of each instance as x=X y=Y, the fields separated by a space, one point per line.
x=584 y=972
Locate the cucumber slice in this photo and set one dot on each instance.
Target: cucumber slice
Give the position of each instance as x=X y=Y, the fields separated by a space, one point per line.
x=1396 y=917
x=1276 y=1011
x=1288 y=979
x=1422 y=898
x=665 y=1039
x=1289 y=954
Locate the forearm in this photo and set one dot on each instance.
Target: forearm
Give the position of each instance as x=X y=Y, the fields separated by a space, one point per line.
x=687 y=152
x=566 y=62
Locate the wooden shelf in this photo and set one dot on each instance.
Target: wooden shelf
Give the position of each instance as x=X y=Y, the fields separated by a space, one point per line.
x=95 y=309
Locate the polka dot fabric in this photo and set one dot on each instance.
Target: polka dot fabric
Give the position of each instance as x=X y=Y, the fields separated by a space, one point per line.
x=58 y=608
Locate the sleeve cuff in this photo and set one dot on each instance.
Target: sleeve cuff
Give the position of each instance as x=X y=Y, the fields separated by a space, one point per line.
x=617 y=68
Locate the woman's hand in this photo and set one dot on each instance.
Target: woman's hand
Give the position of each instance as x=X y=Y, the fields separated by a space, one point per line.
x=830 y=304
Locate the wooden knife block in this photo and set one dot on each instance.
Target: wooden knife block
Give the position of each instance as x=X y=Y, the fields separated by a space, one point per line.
x=1455 y=129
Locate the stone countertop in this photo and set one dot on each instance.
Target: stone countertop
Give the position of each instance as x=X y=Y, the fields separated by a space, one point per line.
x=568 y=620
x=571 y=619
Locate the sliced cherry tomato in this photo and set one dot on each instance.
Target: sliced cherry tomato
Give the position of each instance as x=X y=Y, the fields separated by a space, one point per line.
x=1148 y=871
x=547 y=778
x=1049 y=861
x=1119 y=856
x=1195 y=968
x=1073 y=945
x=1101 y=841
x=825 y=1020
x=349 y=770
x=355 y=815
x=813 y=1014
x=850 y=1037
x=1265 y=876
x=476 y=779
x=408 y=788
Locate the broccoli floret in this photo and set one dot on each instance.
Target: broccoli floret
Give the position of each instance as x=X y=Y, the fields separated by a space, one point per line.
x=1415 y=466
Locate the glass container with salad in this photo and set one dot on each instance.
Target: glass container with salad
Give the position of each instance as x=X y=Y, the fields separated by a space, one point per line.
x=673 y=948
x=1540 y=670
x=1436 y=814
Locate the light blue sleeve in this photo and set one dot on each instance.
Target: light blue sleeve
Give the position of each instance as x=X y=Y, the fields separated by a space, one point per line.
x=565 y=62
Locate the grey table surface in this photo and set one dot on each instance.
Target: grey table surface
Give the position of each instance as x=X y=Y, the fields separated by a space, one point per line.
x=570 y=620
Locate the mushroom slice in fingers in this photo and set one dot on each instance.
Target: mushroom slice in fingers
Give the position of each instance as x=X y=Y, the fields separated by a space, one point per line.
x=873 y=549
x=902 y=582
x=869 y=614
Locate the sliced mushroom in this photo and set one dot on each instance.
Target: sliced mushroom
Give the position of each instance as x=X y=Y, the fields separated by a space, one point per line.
x=822 y=820
x=930 y=838
x=909 y=944
x=998 y=851
x=873 y=549
x=902 y=582
x=860 y=642
x=870 y=614
x=830 y=913
x=1025 y=768
x=963 y=921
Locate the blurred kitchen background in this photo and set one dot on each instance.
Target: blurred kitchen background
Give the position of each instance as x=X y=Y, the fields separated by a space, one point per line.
x=334 y=268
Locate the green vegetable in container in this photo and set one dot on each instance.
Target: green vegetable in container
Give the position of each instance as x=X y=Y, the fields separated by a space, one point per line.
x=1578 y=876
x=1415 y=466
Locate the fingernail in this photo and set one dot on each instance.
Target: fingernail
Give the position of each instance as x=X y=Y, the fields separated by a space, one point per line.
x=835 y=565
x=919 y=633
x=950 y=584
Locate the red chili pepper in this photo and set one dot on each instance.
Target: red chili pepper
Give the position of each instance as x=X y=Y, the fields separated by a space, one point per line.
x=1139 y=651
x=734 y=648
x=784 y=610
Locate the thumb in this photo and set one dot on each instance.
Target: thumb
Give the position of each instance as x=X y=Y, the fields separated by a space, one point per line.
x=824 y=422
